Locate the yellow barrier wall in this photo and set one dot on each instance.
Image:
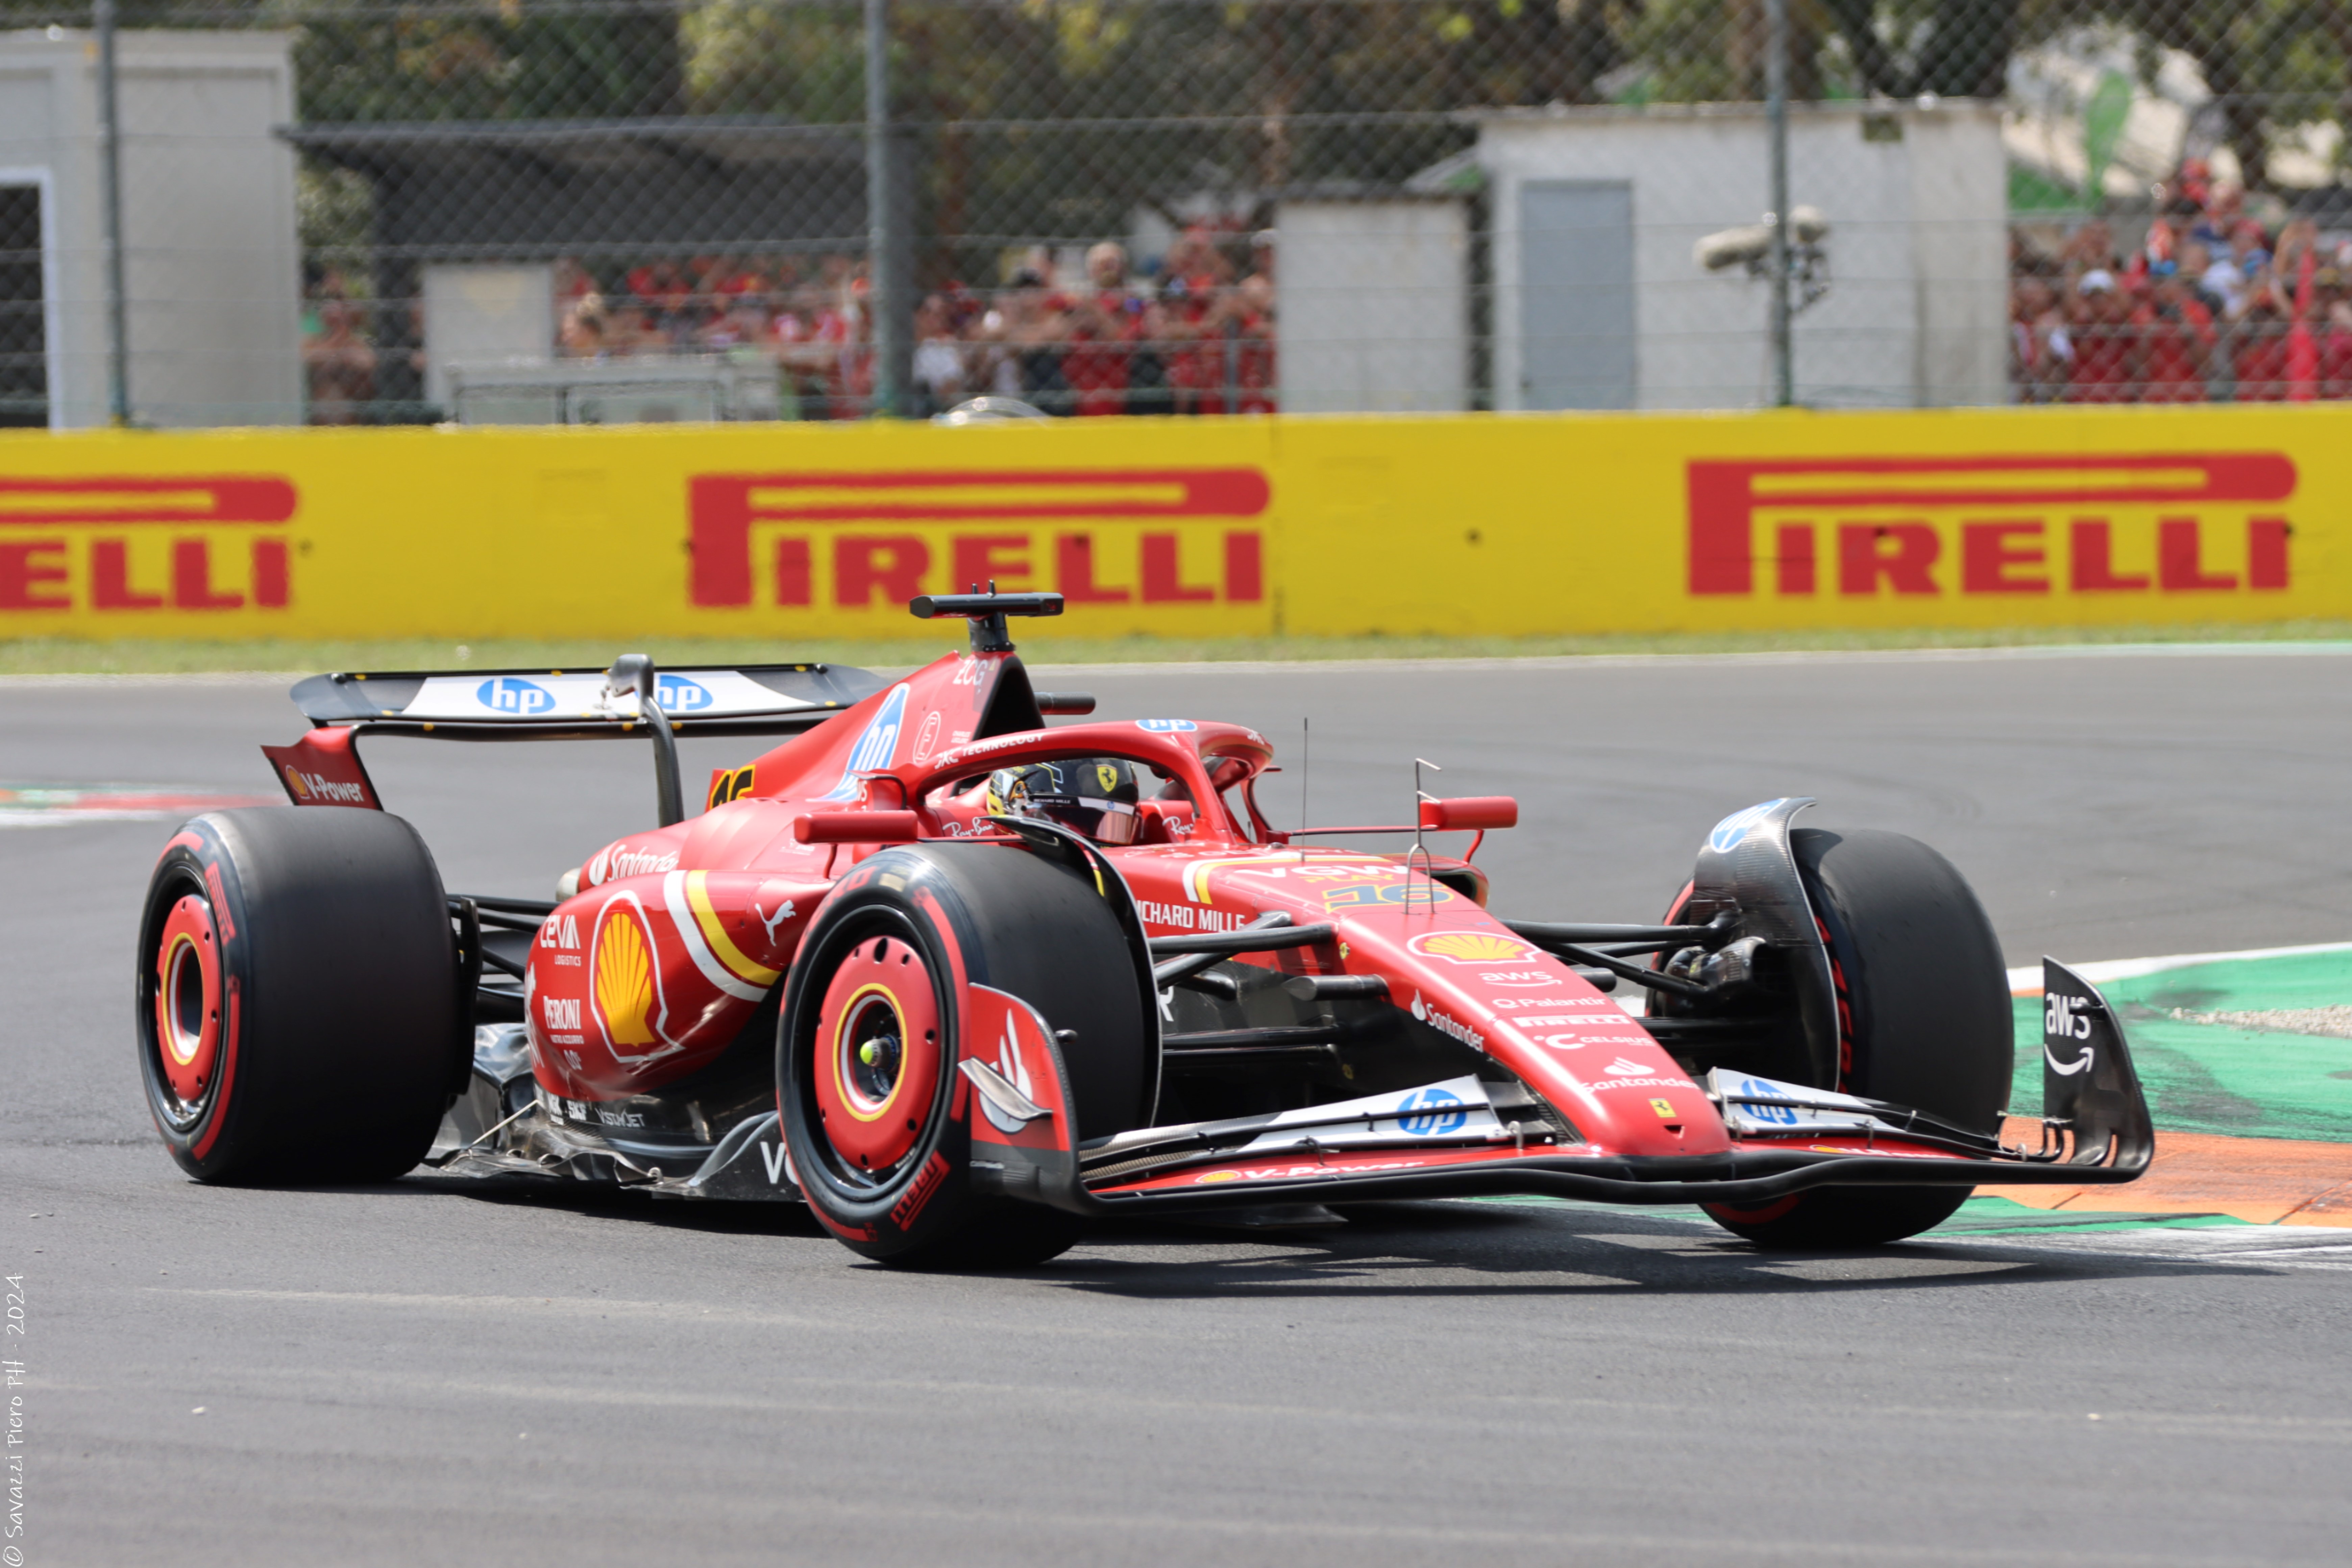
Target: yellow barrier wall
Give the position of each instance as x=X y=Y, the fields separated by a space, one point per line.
x=1496 y=525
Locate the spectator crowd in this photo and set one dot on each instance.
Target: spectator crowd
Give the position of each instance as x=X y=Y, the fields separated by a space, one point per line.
x=2211 y=306
x=1193 y=334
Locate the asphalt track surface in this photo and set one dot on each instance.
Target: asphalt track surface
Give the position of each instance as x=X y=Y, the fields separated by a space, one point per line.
x=439 y=1372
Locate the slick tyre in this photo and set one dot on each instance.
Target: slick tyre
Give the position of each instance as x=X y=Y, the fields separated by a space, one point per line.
x=1923 y=1001
x=297 y=1010
x=871 y=1034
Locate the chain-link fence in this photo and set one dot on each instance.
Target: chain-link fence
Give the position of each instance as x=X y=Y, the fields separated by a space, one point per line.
x=501 y=210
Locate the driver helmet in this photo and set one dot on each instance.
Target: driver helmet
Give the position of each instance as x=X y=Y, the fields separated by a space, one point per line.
x=1093 y=796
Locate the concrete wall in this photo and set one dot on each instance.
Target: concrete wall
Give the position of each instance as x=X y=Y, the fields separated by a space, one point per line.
x=211 y=257
x=1915 y=316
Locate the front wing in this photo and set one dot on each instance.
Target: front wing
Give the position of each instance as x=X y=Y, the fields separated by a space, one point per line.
x=1455 y=1141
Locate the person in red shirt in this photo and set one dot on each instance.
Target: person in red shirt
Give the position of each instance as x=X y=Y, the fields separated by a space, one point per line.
x=2107 y=367
x=2332 y=320
x=1105 y=323
x=2259 y=352
x=2177 y=338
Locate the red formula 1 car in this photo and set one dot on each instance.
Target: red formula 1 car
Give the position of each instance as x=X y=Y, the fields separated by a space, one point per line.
x=962 y=981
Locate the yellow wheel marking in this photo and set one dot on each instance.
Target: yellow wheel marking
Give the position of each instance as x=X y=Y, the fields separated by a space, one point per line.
x=850 y=1098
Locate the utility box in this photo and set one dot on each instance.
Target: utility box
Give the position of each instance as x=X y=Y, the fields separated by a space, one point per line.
x=212 y=264
x=1373 y=297
x=1598 y=302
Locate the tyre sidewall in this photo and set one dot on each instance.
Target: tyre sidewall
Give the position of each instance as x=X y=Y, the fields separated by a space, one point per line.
x=901 y=897
x=196 y=862
x=339 y=975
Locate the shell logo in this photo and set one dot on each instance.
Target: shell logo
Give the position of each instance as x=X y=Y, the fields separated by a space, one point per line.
x=1471 y=947
x=295 y=781
x=1213 y=1177
x=624 y=985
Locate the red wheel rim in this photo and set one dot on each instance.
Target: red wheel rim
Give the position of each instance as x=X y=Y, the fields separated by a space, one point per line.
x=877 y=1067
x=188 y=1000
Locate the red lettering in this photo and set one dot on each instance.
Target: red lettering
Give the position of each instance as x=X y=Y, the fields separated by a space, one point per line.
x=2178 y=566
x=1985 y=557
x=1163 y=581
x=1073 y=572
x=1725 y=497
x=21 y=576
x=722 y=508
x=2266 y=539
x=110 y=578
x=1245 y=570
x=272 y=580
x=893 y=563
x=792 y=573
x=978 y=563
x=1864 y=557
x=1796 y=558
x=192 y=578
x=2094 y=560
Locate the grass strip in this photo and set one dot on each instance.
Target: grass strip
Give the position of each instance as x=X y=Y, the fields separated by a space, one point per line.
x=68 y=656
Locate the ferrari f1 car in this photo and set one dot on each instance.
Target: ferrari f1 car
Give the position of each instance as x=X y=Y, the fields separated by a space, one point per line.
x=963 y=981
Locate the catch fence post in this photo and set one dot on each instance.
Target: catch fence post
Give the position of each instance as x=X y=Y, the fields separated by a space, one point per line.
x=889 y=283
x=1776 y=124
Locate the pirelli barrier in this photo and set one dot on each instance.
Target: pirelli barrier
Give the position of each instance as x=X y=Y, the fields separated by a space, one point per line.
x=1490 y=525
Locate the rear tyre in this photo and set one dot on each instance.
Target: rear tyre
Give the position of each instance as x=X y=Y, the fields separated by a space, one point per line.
x=1923 y=1004
x=870 y=1037
x=296 y=1008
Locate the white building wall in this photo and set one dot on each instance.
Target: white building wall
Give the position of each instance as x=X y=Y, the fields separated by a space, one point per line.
x=1373 y=300
x=212 y=263
x=1917 y=253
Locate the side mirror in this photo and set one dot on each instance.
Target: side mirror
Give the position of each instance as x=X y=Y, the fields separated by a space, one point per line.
x=1470 y=812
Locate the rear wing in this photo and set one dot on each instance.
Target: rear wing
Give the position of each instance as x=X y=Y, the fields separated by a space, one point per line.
x=632 y=699
x=579 y=705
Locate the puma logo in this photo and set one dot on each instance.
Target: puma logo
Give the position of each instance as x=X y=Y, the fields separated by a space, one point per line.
x=781 y=915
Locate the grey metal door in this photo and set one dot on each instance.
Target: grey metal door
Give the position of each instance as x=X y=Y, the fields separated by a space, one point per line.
x=1576 y=294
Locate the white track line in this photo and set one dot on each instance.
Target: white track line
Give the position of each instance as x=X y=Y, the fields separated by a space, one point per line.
x=1042 y=659
x=2027 y=982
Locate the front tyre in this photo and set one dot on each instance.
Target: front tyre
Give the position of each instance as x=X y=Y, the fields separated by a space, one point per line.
x=295 y=1000
x=872 y=1031
x=1924 y=1021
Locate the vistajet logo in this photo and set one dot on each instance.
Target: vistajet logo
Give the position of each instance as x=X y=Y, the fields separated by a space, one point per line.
x=1866 y=528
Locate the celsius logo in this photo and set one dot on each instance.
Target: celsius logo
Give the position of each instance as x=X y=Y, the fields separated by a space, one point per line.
x=877 y=744
x=513 y=694
x=1439 y=1112
x=678 y=695
x=1166 y=726
x=1733 y=830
